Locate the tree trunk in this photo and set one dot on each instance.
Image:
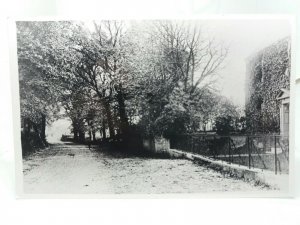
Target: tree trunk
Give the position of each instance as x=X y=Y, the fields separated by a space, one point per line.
x=81 y=136
x=36 y=130
x=109 y=119
x=90 y=127
x=94 y=135
x=75 y=130
x=90 y=135
x=43 y=127
x=75 y=134
x=103 y=130
x=26 y=127
x=107 y=111
x=122 y=112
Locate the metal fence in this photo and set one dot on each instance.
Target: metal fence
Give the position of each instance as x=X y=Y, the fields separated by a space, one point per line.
x=266 y=152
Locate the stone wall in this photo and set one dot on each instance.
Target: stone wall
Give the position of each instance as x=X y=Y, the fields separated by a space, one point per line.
x=157 y=144
x=267 y=72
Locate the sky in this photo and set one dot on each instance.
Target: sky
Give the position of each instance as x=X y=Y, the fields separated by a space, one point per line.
x=58 y=128
x=244 y=38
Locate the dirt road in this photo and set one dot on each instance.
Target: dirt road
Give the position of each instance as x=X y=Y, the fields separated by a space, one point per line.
x=74 y=169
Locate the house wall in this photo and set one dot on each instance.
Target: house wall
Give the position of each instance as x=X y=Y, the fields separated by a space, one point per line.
x=267 y=72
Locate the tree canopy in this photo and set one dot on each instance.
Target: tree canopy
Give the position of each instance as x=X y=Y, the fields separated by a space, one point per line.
x=116 y=77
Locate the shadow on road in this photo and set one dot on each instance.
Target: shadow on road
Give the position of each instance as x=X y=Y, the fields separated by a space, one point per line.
x=119 y=151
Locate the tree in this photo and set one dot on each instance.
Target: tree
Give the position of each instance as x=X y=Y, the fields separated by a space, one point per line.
x=37 y=96
x=176 y=65
x=227 y=117
x=101 y=65
x=118 y=76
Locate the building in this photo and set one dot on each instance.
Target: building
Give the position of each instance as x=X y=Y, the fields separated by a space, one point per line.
x=284 y=104
x=267 y=89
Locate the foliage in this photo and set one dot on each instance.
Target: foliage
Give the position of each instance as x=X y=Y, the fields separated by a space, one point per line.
x=268 y=72
x=116 y=77
x=176 y=66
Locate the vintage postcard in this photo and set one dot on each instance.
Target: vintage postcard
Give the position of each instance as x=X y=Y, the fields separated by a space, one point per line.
x=141 y=107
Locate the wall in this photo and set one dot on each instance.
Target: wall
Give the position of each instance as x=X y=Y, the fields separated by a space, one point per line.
x=267 y=72
x=157 y=144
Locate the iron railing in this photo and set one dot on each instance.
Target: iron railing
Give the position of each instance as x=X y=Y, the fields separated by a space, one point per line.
x=266 y=152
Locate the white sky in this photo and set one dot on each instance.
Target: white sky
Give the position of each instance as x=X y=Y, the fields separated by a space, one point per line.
x=57 y=129
x=244 y=37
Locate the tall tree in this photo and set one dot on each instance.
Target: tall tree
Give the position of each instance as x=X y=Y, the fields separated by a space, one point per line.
x=177 y=65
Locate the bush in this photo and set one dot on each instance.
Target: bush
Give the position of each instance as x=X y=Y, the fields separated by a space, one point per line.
x=224 y=125
x=31 y=142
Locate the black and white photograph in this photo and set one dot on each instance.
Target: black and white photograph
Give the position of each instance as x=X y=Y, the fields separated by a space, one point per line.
x=161 y=107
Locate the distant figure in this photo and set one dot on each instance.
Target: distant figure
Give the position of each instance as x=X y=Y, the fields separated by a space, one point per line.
x=89 y=143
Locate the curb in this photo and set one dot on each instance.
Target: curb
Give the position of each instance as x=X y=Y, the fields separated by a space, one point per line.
x=259 y=176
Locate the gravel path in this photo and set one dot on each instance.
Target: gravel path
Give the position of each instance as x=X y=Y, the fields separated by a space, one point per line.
x=74 y=169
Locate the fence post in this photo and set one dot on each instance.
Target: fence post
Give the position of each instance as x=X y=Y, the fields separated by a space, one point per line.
x=192 y=143
x=275 y=156
x=249 y=152
x=214 y=150
x=229 y=149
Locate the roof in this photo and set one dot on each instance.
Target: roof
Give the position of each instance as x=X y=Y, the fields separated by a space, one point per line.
x=283 y=94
